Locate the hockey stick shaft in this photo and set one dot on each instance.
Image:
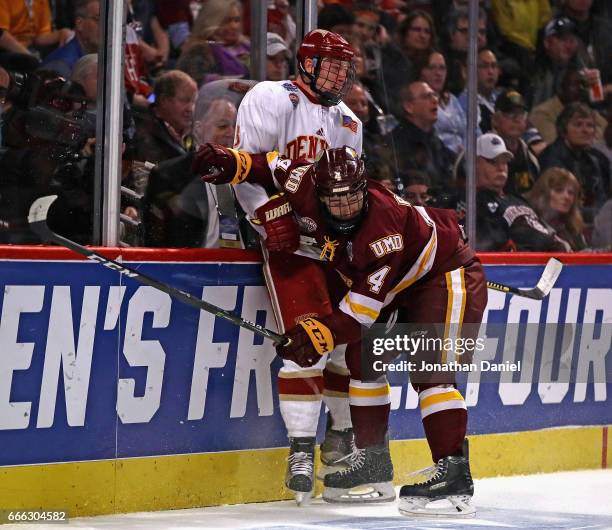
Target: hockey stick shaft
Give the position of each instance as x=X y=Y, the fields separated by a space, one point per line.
x=542 y=289
x=505 y=288
x=38 y=223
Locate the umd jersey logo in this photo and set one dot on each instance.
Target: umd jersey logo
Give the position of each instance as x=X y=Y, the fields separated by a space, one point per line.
x=386 y=245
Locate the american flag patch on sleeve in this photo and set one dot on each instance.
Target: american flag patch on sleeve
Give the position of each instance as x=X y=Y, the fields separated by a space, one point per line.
x=349 y=123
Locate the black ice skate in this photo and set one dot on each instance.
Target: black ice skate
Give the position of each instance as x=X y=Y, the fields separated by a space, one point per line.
x=368 y=478
x=300 y=468
x=451 y=480
x=335 y=449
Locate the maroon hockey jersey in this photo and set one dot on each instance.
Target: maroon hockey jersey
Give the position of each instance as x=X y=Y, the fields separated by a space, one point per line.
x=394 y=246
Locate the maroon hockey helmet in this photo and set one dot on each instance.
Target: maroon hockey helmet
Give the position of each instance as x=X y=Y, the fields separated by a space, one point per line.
x=336 y=77
x=340 y=181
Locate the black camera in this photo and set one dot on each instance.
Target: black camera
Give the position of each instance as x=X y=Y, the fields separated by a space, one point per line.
x=47 y=110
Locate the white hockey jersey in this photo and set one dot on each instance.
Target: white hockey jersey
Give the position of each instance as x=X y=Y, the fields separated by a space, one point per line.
x=279 y=116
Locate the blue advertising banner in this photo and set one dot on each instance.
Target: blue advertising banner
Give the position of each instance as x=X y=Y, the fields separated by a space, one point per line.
x=94 y=366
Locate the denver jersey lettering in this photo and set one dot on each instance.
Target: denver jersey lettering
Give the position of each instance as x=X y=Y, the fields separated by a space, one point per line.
x=278 y=116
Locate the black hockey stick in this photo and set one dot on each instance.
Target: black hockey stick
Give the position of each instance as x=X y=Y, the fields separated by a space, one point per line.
x=37 y=218
x=541 y=290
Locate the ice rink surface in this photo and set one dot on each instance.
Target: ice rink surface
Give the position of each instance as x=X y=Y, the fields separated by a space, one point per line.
x=569 y=500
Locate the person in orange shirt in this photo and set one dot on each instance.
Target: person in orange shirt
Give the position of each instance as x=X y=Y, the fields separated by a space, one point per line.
x=29 y=22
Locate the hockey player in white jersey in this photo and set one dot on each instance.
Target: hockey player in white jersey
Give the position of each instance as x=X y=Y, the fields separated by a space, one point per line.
x=298 y=119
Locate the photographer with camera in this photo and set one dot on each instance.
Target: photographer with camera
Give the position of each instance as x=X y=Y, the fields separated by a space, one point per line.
x=46 y=134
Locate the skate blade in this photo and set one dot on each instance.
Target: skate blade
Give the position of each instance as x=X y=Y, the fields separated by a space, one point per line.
x=368 y=493
x=303 y=498
x=453 y=506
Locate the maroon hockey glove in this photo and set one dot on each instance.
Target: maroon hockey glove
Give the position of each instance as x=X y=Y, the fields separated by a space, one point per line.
x=310 y=339
x=277 y=219
x=221 y=165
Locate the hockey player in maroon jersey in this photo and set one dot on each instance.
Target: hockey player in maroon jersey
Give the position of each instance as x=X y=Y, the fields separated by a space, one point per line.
x=389 y=256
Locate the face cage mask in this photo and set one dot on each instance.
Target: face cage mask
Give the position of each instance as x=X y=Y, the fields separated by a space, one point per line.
x=329 y=98
x=341 y=226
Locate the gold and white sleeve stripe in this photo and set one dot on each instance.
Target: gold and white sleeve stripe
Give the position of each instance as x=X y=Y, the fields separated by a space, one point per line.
x=440 y=398
x=362 y=308
x=424 y=262
x=369 y=394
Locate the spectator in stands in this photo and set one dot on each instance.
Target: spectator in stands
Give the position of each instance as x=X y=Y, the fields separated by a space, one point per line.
x=572 y=88
x=518 y=24
x=458 y=29
x=221 y=21
x=455 y=51
x=451 y=124
x=181 y=211
x=198 y=61
x=359 y=101
x=505 y=221
x=595 y=32
x=555 y=197
x=417 y=37
x=154 y=40
x=556 y=54
x=175 y=16
x=86 y=39
x=413 y=143
x=386 y=68
x=339 y=19
x=416 y=187
x=30 y=24
x=573 y=150
x=163 y=130
x=214 y=122
x=278 y=56
x=85 y=73
x=488 y=76
x=281 y=23
x=367 y=25
x=510 y=122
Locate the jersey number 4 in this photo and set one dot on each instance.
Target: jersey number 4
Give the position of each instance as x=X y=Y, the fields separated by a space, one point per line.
x=376 y=279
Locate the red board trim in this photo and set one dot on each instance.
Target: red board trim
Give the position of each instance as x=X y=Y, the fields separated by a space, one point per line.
x=41 y=252
x=47 y=253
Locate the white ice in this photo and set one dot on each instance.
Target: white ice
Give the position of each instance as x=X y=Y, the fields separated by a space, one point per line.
x=568 y=500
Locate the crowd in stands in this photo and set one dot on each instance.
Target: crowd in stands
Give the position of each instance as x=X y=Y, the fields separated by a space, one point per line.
x=544 y=76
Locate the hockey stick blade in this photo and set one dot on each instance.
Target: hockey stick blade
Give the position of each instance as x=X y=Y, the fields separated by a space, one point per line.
x=37 y=218
x=542 y=289
x=549 y=276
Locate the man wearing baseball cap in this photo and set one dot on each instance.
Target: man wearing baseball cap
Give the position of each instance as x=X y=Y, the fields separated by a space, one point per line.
x=506 y=221
x=510 y=122
x=560 y=45
x=277 y=66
